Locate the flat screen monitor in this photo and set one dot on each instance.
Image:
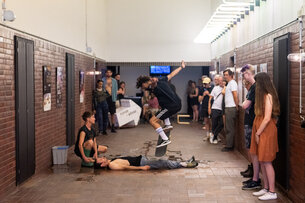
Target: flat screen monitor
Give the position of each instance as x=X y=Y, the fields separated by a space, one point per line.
x=159 y=70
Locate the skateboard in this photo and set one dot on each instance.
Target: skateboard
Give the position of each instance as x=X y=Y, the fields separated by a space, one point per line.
x=161 y=151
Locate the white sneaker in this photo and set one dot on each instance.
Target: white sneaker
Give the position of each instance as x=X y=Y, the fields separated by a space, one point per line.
x=163 y=143
x=211 y=138
x=167 y=128
x=215 y=142
x=260 y=193
x=268 y=196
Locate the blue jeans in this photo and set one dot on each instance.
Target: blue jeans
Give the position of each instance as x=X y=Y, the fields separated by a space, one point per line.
x=160 y=164
x=102 y=115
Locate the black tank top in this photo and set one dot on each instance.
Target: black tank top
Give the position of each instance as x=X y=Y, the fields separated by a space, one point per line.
x=133 y=160
x=89 y=134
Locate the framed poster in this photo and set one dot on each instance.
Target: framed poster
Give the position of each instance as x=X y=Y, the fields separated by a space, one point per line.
x=239 y=87
x=47 y=88
x=59 y=84
x=263 y=68
x=81 y=86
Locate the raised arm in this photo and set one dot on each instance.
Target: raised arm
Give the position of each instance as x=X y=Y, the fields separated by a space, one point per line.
x=176 y=71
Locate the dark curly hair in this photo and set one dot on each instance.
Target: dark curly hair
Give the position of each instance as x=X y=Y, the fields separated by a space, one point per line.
x=142 y=79
x=86 y=115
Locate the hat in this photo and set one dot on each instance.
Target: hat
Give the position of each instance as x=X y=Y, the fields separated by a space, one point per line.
x=206 y=80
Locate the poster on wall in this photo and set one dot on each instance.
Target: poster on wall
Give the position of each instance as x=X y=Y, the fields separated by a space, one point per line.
x=47 y=88
x=59 y=84
x=263 y=68
x=240 y=86
x=81 y=86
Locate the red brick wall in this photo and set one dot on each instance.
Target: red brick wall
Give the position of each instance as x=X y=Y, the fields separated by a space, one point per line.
x=261 y=51
x=50 y=126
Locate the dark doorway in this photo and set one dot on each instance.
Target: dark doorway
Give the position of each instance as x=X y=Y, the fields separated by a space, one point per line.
x=25 y=113
x=281 y=81
x=70 y=77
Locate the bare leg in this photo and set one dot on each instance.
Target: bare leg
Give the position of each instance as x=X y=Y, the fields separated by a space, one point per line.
x=266 y=183
x=88 y=144
x=154 y=122
x=255 y=167
x=207 y=124
x=270 y=175
x=196 y=113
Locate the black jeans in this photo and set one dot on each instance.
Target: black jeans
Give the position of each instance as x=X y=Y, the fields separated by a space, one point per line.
x=217 y=122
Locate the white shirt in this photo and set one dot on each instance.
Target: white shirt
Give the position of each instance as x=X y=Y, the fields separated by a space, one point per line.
x=229 y=100
x=218 y=97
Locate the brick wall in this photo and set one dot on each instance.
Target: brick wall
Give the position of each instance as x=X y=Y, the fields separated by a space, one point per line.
x=261 y=51
x=50 y=126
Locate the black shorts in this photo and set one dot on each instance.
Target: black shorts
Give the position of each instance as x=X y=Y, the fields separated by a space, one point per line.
x=205 y=113
x=111 y=105
x=167 y=112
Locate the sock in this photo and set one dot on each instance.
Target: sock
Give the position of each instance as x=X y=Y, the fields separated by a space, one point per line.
x=161 y=133
x=167 y=121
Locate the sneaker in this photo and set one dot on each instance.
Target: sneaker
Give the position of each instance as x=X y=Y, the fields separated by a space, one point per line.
x=252 y=185
x=211 y=138
x=104 y=133
x=227 y=149
x=113 y=130
x=192 y=164
x=260 y=193
x=249 y=180
x=268 y=196
x=191 y=160
x=163 y=143
x=215 y=142
x=167 y=128
x=247 y=173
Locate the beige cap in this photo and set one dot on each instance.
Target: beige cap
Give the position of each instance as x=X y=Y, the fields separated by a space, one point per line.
x=206 y=80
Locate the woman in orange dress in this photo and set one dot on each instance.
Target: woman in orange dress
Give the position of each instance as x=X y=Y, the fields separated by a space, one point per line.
x=264 y=142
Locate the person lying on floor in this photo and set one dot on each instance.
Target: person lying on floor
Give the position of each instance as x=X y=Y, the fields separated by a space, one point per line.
x=142 y=163
x=86 y=147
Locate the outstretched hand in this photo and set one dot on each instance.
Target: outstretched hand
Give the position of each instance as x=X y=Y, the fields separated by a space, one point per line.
x=183 y=64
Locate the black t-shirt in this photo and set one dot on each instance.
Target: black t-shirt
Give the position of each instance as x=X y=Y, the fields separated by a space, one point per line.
x=249 y=113
x=167 y=97
x=89 y=134
x=133 y=160
x=205 y=101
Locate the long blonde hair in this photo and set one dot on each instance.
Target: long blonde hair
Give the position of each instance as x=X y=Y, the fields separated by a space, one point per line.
x=264 y=86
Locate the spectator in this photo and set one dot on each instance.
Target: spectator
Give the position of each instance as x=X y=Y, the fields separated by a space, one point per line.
x=110 y=84
x=194 y=100
x=153 y=104
x=188 y=91
x=122 y=90
x=248 y=73
x=215 y=109
x=204 y=97
x=145 y=105
x=231 y=108
x=264 y=143
x=117 y=76
x=100 y=106
x=86 y=147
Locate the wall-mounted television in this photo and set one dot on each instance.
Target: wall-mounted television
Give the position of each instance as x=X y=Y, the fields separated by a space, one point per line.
x=159 y=70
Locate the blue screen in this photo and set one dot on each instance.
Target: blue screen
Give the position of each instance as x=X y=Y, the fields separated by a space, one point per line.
x=160 y=69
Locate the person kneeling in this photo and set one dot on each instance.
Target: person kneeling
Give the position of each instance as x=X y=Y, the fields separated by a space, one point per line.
x=142 y=163
x=86 y=147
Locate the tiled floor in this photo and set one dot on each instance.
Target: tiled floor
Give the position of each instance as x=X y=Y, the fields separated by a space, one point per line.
x=215 y=180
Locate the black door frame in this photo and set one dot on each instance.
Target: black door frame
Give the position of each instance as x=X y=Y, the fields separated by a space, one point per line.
x=70 y=100
x=285 y=143
x=24 y=172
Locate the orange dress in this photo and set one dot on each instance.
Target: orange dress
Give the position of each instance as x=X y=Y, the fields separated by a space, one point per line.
x=267 y=147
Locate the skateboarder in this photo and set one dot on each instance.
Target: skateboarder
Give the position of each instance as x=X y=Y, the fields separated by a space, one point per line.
x=168 y=100
x=142 y=163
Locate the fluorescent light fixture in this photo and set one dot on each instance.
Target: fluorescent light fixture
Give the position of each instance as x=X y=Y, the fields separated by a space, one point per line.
x=226 y=15
x=93 y=73
x=297 y=57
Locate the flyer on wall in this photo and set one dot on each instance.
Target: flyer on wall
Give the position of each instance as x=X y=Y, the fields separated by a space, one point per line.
x=47 y=88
